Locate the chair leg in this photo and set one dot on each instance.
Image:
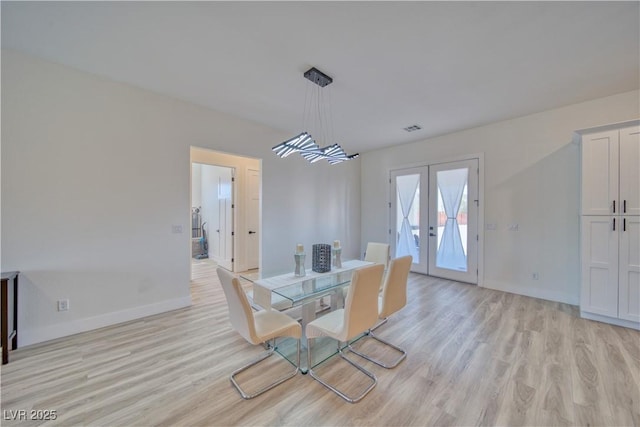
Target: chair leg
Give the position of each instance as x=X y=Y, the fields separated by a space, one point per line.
x=334 y=389
x=267 y=387
x=379 y=324
x=403 y=353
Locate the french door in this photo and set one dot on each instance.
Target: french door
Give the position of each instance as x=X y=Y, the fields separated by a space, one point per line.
x=453 y=220
x=409 y=222
x=434 y=212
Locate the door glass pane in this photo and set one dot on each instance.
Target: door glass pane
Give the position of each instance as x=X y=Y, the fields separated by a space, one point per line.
x=452 y=219
x=408 y=216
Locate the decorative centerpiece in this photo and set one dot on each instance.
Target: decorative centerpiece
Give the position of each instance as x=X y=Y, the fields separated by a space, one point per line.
x=336 y=251
x=321 y=262
x=299 y=258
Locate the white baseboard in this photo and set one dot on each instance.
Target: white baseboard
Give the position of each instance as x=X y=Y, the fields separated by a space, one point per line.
x=34 y=336
x=533 y=292
x=612 y=320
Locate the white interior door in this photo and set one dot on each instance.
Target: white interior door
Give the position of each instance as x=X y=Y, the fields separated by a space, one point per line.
x=409 y=215
x=225 y=217
x=453 y=220
x=253 y=218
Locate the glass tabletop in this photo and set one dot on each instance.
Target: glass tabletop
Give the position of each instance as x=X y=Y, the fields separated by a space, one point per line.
x=251 y=276
x=314 y=287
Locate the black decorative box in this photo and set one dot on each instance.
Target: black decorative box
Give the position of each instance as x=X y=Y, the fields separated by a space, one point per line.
x=321 y=262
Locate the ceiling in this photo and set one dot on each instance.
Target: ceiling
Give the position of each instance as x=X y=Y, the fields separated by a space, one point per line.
x=444 y=66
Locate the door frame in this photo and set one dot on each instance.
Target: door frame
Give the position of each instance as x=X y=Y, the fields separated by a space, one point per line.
x=481 y=203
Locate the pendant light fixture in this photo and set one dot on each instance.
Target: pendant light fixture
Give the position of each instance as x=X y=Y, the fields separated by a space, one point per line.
x=315 y=110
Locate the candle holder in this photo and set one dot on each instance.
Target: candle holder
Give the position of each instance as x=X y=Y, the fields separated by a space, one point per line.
x=337 y=259
x=299 y=271
x=321 y=261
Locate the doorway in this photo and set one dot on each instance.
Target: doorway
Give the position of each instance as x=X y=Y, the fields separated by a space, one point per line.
x=227 y=188
x=434 y=218
x=212 y=224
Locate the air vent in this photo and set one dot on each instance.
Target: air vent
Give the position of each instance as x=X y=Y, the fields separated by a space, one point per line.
x=412 y=128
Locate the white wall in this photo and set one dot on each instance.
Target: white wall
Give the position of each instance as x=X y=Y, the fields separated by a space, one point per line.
x=94 y=175
x=531 y=178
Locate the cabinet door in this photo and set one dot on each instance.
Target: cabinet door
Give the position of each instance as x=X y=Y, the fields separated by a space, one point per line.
x=600 y=173
x=629 y=299
x=630 y=171
x=599 y=290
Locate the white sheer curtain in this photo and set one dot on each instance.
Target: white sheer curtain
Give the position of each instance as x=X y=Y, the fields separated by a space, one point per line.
x=451 y=254
x=407 y=186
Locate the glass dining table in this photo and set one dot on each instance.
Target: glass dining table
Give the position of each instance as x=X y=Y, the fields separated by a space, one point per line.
x=287 y=292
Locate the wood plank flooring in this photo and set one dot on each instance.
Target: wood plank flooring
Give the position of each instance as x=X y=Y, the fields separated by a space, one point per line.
x=475 y=357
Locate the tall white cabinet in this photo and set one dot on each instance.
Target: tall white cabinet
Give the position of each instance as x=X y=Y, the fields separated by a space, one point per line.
x=610 y=225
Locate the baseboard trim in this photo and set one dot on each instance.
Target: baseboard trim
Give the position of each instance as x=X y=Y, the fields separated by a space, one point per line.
x=532 y=292
x=611 y=320
x=35 y=336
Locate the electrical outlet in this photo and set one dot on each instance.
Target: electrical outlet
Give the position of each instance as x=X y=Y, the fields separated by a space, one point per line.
x=176 y=229
x=513 y=227
x=63 y=305
x=535 y=276
x=492 y=226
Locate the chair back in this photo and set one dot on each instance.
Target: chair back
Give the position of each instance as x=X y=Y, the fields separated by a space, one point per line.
x=378 y=253
x=240 y=312
x=394 y=289
x=361 y=304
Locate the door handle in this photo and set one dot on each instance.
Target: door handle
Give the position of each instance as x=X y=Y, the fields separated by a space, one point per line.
x=432 y=234
x=614 y=206
x=624 y=224
x=614 y=224
x=252 y=232
x=624 y=206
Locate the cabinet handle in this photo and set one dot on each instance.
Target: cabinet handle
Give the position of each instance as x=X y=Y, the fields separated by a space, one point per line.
x=614 y=224
x=614 y=206
x=624 y=224
x=624 y=206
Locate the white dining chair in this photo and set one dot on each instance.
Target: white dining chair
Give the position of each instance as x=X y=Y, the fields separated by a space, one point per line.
x=391 y=300
x=258 y=328
x=359 y=314
x=378 y=253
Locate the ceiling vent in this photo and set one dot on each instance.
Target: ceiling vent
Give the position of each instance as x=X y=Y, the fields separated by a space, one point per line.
x=412 y=128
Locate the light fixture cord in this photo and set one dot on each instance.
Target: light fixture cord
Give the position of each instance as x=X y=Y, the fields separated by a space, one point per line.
x=321 y=136
x=306 y=110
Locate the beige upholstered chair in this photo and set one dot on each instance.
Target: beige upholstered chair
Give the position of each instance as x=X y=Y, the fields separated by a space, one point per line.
x=378 y=253
x=256 y=328
x=392 y=299
x=359 y=314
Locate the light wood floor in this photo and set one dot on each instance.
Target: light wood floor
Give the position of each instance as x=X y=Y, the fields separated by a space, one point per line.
x=476 y=357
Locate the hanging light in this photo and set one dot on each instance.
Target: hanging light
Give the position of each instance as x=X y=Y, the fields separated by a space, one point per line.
x=304 y=143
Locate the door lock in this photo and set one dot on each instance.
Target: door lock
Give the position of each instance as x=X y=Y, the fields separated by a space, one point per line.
x=252 y=232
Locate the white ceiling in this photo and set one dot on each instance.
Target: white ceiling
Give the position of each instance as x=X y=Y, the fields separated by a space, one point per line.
x=445 y=66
